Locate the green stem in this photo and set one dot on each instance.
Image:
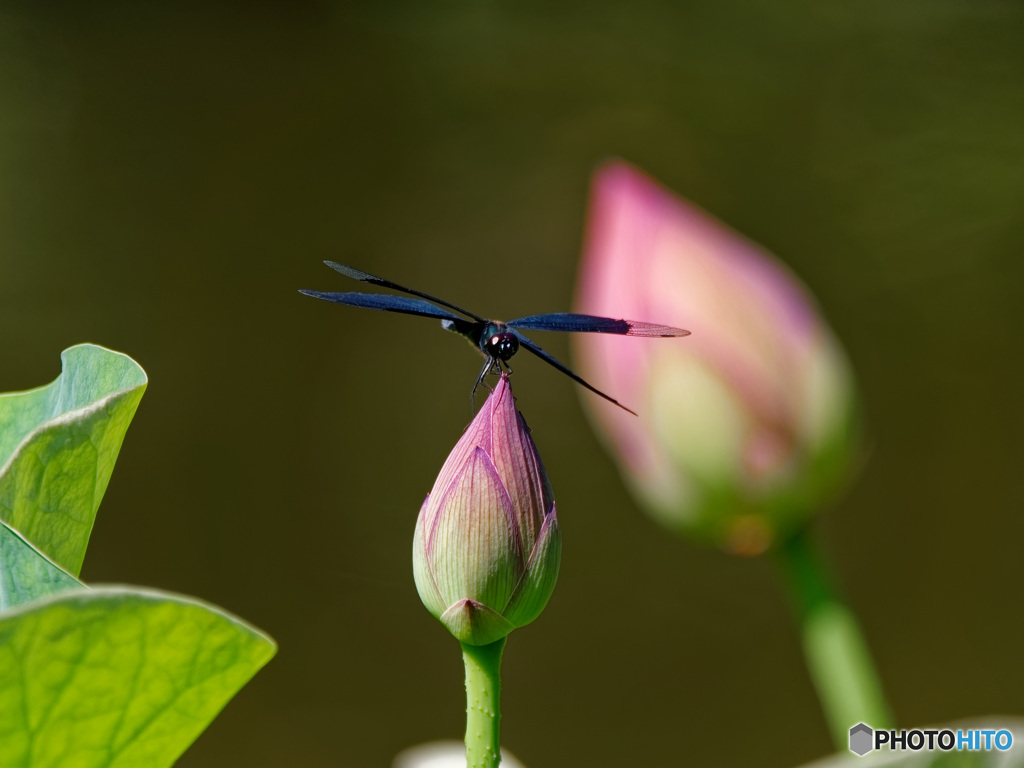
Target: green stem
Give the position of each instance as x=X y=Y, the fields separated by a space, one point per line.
x=483 y=704
x=837 y=654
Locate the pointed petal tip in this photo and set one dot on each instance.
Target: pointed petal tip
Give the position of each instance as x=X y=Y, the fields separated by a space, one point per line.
x=551 y=514
x=502 y=393
x=615 y=168
x=618 y=176
x=474 y=623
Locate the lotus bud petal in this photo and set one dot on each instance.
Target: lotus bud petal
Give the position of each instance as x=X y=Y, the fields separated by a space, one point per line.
x=487 y=547
x=749 y=427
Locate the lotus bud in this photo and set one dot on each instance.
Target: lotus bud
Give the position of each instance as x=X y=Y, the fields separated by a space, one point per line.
x=487 y=546
x=749 y=427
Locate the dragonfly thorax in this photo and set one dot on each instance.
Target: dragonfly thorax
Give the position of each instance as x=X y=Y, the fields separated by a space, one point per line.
x=499 y=342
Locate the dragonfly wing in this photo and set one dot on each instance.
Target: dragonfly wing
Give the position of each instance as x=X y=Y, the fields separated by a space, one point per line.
x=358 y=274
x=366 y=277
x=572 y=322
x=386 y=303
x=530 y=346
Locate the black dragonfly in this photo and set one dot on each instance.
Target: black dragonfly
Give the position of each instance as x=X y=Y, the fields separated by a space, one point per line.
x=498 y=341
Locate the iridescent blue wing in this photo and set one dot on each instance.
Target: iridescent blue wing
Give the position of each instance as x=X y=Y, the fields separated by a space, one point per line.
x=366 y=277
x=525 y=343
x=386 y=303
x=571 y=322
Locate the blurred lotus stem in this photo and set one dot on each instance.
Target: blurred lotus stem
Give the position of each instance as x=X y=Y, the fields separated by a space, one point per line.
x=483 y=703
x=746 y=431
x=837 y=655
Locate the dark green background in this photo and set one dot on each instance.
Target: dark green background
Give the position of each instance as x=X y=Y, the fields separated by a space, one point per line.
x=170 y=174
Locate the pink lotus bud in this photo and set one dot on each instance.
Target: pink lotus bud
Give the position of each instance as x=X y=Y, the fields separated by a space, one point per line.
x=746 y=429
x=487 y=545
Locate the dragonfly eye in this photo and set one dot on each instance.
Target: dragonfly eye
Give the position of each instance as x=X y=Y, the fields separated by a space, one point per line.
x=502 y=345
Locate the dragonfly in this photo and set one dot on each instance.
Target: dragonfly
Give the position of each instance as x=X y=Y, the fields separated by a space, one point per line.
x=498 y=341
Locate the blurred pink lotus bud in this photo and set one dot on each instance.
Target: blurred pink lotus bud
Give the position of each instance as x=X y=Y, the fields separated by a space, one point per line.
x=749 y=427
x=487 y=545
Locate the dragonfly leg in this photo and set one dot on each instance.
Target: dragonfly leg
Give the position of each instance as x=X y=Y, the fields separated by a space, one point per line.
x=488 y=367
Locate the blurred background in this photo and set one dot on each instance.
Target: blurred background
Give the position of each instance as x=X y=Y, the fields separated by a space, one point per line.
x=171 y=174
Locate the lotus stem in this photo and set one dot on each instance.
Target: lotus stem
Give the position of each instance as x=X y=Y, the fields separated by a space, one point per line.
x=837 y=654
x=483 y=704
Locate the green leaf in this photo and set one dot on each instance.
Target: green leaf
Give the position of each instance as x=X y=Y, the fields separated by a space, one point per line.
x=25 y=572
x=116 y=677
x=58 y=445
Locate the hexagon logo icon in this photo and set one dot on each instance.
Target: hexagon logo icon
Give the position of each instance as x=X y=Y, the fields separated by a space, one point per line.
x=861 y=739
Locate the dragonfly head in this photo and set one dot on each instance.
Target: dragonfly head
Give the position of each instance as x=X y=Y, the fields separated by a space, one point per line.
x=499 y=342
